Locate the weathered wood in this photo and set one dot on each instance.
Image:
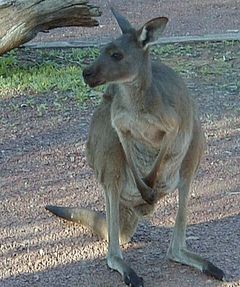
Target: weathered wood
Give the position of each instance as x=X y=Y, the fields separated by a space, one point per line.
x=21 y=20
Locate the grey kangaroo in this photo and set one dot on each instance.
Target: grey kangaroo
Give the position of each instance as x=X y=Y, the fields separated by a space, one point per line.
x=145 y=141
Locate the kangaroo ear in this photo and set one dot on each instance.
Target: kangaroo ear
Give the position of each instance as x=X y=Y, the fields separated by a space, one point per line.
x=123 y=23
x=151 y=31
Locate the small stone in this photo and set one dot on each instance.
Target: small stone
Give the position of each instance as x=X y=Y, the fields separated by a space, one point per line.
x=36 y=277
x=192 y=238
x=233 y=30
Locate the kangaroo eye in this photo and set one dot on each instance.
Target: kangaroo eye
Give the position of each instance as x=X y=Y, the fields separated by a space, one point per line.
x=117 y=56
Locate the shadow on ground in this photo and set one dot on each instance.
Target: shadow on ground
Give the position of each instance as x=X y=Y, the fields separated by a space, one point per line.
x=146 y=253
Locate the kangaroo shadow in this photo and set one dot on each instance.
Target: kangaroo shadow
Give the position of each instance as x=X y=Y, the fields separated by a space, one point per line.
x=216 y=240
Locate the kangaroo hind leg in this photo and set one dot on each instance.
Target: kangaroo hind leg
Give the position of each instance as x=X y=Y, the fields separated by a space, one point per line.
x=114 y=257
x=118 y=228
x=178 y=251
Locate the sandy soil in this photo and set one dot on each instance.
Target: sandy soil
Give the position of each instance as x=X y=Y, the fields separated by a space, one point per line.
x=42 y=162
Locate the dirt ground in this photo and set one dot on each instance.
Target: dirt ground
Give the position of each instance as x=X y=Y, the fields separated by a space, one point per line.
x=186 y=17
x=42 y=161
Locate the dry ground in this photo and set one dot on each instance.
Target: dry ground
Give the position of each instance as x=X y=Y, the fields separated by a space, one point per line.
x=43 y=162
x=186 y=17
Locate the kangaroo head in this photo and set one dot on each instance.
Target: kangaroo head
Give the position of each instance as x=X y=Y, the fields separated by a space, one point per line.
x=123 y=59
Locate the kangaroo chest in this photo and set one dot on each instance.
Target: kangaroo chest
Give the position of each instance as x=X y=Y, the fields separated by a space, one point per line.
x=138 y=127
x=144 y=140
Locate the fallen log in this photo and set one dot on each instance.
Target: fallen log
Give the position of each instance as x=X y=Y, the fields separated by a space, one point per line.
x=21 y=20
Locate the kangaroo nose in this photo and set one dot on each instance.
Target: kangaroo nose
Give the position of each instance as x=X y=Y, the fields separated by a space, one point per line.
x=87 y=73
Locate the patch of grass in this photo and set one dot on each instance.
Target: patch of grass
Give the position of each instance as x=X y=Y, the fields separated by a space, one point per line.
x=169 y=50
x=60 y=70
x=216 y=67
x=39 y=71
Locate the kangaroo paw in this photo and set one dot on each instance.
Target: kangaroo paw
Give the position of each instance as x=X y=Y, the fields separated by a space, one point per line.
x=149 y=197
x=148 y=194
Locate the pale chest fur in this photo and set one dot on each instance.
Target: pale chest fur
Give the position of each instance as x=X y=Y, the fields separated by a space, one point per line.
x=141 y=127
x=143 y=133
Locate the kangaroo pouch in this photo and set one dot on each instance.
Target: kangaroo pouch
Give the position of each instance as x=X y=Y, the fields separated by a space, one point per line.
x=144 y=157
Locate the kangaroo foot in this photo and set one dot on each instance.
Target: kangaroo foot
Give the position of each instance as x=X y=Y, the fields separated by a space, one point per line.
x=191 y=259
x=212 y=270
x=129 y=275
x=131 y=279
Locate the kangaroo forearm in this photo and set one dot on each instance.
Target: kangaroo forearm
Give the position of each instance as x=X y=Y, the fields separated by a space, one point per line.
x=158 y=164
x=122 y=126
x=151 y=178
x=145 y=191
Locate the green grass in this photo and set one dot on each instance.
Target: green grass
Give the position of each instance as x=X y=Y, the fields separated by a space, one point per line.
x=40 y=71
x=43 y=71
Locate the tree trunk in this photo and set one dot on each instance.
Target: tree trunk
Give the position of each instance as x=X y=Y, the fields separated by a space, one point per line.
x=21 y=20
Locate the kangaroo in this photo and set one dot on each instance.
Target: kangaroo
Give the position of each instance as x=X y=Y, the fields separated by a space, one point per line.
x=145 y=141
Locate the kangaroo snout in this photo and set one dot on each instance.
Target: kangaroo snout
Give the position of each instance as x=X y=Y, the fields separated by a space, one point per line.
x=88 y=72
x=92 y=77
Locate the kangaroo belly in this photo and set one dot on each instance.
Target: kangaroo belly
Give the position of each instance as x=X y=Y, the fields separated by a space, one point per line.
x=144 y=157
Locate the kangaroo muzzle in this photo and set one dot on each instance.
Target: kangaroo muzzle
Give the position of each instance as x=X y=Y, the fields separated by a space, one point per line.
x=92 y=77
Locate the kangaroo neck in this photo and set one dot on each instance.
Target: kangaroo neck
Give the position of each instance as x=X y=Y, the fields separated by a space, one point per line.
x=136 y=91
